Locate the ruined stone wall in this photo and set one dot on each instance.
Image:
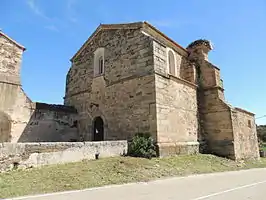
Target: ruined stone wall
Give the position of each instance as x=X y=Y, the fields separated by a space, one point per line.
x=10 y=61
x=245 y=135
x=14 y=103
x=51 y=123
x=125 y=95
x=176 y=108
x=22 y=120
x=30 y=123
x=5 y=127
x=24 y=155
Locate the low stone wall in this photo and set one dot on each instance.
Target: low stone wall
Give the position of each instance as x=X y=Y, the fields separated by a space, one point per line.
x=25 y=155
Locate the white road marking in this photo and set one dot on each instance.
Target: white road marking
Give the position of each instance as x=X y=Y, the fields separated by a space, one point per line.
x=230 y=190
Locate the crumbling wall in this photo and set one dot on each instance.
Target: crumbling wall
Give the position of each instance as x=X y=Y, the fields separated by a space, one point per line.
x=21 y=120
x=13 y=101
x=51 y=123
x=5 y=127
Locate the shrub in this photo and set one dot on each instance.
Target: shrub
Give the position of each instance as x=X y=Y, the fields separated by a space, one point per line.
x=261 y=130
x=142 y=145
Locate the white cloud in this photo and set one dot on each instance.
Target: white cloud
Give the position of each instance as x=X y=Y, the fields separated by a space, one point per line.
x=52 y=28
x=71 y=12
x=162 y=23
x=172 y=23
x=34 y=7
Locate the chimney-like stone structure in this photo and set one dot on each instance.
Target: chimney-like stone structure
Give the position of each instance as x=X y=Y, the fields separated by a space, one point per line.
x=214 y=113
x=199 y=49
x=224 y=130
x=208 y=74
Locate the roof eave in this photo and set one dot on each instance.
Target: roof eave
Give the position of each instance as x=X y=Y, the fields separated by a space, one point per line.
x=13 y=41
x=165 y=36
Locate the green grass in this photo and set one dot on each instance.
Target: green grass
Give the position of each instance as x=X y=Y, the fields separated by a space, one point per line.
x=116 y=170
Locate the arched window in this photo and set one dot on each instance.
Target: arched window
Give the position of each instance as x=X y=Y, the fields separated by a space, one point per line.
x=99 y=62
x=100 y=65
x=171 y=62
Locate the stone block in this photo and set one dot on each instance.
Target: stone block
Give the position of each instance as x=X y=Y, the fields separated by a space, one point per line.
x=178 y=148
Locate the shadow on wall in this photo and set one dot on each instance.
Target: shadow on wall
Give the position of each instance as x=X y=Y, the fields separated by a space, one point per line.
x=51 y=123
x=5 y=127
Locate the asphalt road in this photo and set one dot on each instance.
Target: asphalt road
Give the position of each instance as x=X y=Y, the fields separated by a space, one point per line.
x=241 y=185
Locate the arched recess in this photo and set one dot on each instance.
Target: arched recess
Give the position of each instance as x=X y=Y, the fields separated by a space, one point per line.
x=99 y=62
x=89 y=120
x=98 y=129
x=5 y=127
x=171 y=62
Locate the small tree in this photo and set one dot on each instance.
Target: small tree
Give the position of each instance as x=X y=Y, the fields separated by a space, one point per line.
x=142 y=145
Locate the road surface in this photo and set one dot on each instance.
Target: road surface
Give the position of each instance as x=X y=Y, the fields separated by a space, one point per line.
x=241 y=185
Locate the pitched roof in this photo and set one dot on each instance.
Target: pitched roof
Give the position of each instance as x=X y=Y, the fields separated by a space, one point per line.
x=134 y=25
x=13 y=41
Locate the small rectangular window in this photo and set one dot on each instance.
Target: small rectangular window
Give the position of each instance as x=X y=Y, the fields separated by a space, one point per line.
x=249 y=123
x=100 y=66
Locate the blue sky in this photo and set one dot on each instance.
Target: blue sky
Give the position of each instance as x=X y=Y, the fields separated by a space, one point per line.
x=53 y=30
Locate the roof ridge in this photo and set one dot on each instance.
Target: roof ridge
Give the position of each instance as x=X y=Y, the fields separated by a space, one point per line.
x=125 y=23
x=131 y=25
x=106 y=26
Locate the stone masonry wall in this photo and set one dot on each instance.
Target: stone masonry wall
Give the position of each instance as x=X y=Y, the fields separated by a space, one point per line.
x=224 y=129
x=176 y=109
x=10 y=61
x=23 y=120
x=51 y=123
x=217 y=128
x=27 y=155
x=13 y=101
x=216 y=121
x=125 y=95
x=245 y=135
x=17 y=106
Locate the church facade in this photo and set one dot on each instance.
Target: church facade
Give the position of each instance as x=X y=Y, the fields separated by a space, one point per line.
x=131 y=78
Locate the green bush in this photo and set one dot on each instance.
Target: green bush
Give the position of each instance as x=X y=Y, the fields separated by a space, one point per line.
x=261 y=130
x=142 y=145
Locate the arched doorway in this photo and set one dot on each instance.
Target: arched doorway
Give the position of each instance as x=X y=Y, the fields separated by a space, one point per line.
x=5 y=128
x=98 y=129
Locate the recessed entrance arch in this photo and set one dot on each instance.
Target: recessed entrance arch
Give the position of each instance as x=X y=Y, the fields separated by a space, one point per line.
x=98 y=129
x=5 y=127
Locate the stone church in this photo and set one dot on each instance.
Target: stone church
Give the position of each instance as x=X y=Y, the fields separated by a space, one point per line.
x=125 y=79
